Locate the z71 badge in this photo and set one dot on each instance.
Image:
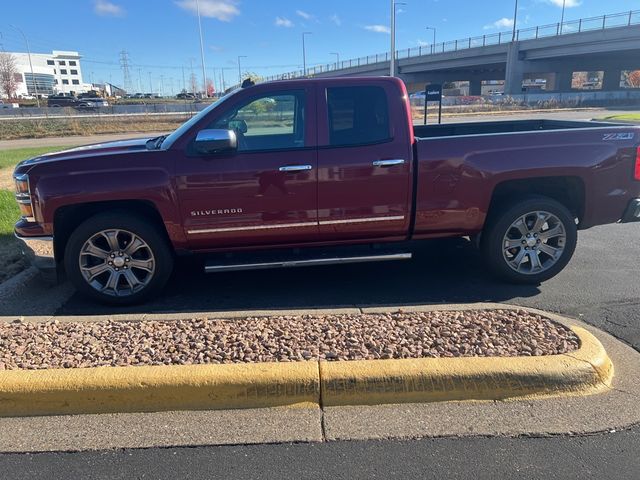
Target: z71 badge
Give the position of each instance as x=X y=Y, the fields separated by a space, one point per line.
x=618 y=136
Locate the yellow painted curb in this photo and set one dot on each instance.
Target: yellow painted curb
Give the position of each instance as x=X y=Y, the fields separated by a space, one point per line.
x=157 y=388
x=583 y=372
x=198 y=387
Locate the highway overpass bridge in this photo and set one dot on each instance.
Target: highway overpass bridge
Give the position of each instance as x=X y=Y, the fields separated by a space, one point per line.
x=609 y=43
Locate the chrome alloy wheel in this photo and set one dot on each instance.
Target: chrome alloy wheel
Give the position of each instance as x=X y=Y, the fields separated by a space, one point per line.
x=534 y=242
x=117 y=263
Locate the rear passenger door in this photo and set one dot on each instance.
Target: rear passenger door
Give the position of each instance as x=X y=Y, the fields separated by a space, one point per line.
x=364 y=163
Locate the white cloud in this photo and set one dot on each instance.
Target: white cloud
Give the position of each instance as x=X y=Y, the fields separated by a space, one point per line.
x=283 y=22
x=104 y=7
x=336 y=19
x=569 y=3
x=502 y=23
x=223 y=10
x=378 y=28
x=303 y=14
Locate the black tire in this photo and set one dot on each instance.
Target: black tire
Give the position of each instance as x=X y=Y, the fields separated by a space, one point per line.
x=500 y=222
x=157 y=249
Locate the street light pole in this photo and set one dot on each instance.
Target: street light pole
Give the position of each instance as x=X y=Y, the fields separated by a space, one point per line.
x=434 y=38
x=393 y=39
x=337 y=59
x=564 y=6
x=150 y=84
x=304 y=54
x=515 y=22
x=394 y=4
x=193 y=80
x=33 y=77
x=240 y=69
x=204 y=75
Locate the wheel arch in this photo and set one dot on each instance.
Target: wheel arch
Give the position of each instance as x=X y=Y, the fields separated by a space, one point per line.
x=68 y=218
x=570 y=191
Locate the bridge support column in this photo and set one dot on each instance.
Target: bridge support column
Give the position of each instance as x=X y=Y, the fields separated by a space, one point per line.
x=562 y=82
x=611 y=80
x=475 y=87
x=514 y=72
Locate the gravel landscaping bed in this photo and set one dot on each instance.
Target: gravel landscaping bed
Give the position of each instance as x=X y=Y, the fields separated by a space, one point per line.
x=493 y=333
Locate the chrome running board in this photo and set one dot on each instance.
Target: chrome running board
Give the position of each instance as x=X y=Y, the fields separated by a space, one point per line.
x=212 y=268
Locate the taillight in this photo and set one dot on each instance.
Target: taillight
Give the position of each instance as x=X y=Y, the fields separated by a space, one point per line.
x=638 y=164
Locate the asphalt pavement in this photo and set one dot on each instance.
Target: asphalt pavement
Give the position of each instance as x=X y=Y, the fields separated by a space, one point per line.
x=600 y=287
x=612 y=456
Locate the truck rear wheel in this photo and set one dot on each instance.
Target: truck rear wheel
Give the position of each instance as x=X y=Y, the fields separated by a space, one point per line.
x=118 y=259
x=530 y=242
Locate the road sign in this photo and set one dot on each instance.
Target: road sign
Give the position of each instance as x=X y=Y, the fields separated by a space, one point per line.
x=433 y=93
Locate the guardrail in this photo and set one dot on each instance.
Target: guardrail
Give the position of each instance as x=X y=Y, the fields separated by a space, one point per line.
x=616 y=20
x=188 y=108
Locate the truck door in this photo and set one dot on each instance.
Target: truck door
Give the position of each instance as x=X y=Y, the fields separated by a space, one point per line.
x=364 y=162
x=265 y=192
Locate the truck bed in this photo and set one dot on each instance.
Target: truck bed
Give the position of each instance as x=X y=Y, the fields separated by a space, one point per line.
x=458 y=180
x=509 y=126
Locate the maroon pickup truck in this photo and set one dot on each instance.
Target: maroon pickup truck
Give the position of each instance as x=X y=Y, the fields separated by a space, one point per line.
x=313 y=172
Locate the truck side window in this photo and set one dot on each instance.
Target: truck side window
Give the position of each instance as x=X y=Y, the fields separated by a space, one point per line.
x=270 y=122
x=357 y=115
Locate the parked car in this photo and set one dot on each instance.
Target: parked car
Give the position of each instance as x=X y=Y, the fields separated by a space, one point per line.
x=90 y=94
x=56 y=101
x=185 y=96
x=7 y=105
x=92 y=103
x=334 y=168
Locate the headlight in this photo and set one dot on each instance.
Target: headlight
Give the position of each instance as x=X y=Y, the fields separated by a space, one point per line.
x=23 y=197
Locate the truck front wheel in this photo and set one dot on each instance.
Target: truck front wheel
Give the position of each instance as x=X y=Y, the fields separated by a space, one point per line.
x=118 y=259
x=531 y=241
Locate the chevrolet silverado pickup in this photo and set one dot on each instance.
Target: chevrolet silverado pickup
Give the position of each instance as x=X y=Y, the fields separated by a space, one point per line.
x=320 y=171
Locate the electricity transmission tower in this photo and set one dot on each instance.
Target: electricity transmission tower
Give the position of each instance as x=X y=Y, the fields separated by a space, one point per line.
x=124 y=64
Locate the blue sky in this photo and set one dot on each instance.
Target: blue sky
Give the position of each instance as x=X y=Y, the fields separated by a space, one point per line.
x=161 y=36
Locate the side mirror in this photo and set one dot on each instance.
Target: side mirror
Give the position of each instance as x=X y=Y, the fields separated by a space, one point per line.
x=216 y=141
x=238 y=126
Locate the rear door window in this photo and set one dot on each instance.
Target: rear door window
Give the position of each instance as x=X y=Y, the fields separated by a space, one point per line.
x=358 y=115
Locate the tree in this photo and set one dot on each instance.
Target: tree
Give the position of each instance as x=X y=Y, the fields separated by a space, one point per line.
x=8 y=72
x=211 y=89
x=193 y=81
x=254 y=77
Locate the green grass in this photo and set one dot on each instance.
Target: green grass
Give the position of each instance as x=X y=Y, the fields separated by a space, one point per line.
x=11 y=259
x=9 y=212
x=9 y=158
x=626 y=117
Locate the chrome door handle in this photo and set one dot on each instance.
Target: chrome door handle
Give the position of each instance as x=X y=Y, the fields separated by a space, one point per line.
x=295 y=168
x=388 y=163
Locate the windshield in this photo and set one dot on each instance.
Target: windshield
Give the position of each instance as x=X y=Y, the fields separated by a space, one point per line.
x=182 y=129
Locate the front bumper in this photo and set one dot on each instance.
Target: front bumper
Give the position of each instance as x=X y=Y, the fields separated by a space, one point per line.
x=632 y=213
x=40 y=251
